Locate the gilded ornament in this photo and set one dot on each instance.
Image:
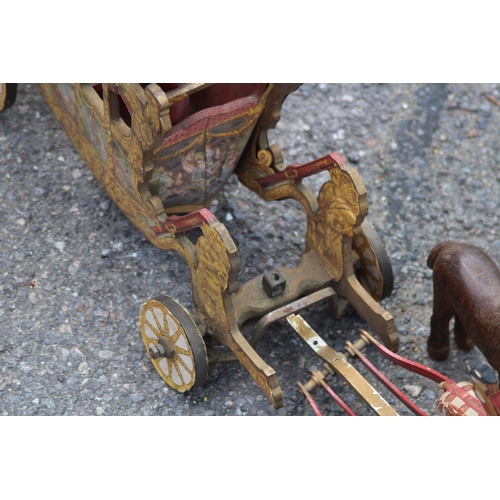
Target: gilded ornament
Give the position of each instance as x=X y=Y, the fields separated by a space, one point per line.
x=337 y=215
x=210 y=278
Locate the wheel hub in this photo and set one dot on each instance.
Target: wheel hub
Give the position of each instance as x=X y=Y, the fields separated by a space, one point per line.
x=163 y=349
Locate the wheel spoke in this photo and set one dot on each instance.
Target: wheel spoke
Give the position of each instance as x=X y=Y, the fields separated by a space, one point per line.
x=150 y=333
x=367 y=254
x=159 y=318
x=186 y=376
x=186 y=352
x=373 y=272
x=152 y=322
x=173 y=329
x=176 y=379
x=176 y=336
x=186 y=360
x=164 y=366
x=153 y=315
x=181 y=343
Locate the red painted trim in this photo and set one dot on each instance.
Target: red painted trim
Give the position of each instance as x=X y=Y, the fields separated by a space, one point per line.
x=309 y=398
x=337 y=398
x=406 y=363
x=295 y=173
x=179 y=224
x=407 y=402
x=313 y=404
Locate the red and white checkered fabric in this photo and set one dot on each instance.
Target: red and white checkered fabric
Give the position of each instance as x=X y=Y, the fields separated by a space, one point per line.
x=458 y=400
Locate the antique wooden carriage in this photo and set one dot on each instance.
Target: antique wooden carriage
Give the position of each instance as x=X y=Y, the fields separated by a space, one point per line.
x=163 y=152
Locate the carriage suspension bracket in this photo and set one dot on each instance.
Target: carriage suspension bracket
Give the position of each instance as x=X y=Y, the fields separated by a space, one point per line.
x=274 y=284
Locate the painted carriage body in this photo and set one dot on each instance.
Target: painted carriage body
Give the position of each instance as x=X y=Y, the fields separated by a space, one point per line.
x=196 y=158
x=188 y=153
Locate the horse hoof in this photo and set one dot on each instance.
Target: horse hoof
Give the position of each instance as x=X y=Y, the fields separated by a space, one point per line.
x=438 y=353
x=465 y=345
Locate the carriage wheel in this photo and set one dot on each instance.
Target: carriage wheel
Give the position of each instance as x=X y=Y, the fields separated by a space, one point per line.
x=372 y=265
x=174 y=343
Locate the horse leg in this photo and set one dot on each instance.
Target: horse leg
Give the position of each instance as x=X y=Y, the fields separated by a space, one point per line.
x=462 y=338
x=438 y=343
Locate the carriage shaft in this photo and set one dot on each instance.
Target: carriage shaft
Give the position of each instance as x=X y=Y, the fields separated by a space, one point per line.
x=342 y=367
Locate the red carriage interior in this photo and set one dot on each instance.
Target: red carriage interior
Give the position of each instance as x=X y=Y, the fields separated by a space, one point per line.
x=216 y=95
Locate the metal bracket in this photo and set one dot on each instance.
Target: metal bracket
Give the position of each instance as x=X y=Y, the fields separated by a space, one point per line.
x=274 y=284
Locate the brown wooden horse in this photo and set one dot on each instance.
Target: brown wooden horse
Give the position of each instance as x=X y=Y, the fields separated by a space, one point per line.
x=467 y=286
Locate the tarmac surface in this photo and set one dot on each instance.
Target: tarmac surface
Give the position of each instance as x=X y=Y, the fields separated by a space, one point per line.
x=74 y=272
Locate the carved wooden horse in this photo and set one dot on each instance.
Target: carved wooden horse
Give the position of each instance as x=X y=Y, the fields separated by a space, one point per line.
x=467 y=286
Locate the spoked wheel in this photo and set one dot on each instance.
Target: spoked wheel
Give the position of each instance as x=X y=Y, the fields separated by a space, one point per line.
x=174 y=343
x=371 y=263
x=8 y=92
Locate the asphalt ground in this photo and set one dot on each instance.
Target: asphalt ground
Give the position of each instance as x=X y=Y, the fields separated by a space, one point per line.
x=74 y=272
